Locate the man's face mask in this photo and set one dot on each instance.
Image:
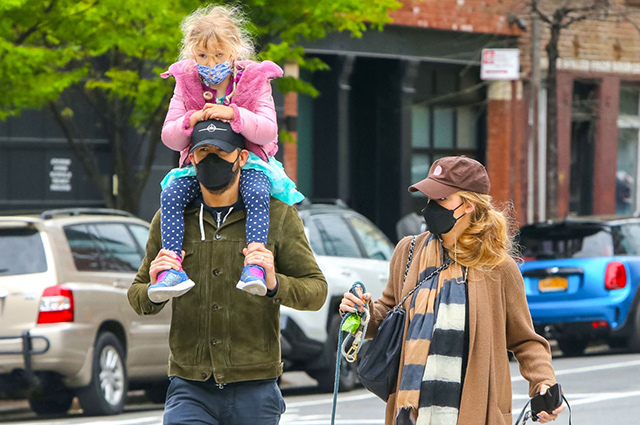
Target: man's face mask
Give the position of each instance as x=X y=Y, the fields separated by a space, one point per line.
x=215 y=173
x=439 y=219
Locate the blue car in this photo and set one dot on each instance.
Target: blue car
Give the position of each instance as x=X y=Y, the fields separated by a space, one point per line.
x=582 y=280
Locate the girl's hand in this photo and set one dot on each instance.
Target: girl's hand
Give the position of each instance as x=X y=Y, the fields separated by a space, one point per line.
x=196 y=117
x=349 y=302
x=218 y=112
x=257 y=254
x=544 y=417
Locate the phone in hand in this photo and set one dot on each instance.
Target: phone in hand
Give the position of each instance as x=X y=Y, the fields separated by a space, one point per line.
x=548 y=402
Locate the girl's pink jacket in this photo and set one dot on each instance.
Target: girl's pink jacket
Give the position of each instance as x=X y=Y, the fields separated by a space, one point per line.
x=252 y=103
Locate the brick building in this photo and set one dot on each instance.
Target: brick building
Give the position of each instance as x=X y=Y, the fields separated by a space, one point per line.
x=395 y=101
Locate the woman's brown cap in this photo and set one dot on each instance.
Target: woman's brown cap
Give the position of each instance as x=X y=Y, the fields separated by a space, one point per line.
x=453 y=173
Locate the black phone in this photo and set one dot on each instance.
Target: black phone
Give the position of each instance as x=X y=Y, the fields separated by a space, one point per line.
x=548 y=402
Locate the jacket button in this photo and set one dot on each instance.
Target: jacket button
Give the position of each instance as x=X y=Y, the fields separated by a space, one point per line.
x=278 y=300
x=215 y=307
x=218 y=237
x=214 y=342
x=204 y=376
x=216 y=272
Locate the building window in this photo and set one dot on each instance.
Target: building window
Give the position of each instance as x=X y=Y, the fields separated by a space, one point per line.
x=439 y=131
x=628 y=173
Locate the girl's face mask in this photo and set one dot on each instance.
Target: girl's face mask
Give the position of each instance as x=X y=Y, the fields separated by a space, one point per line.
x=439 y=219
x=216 y=74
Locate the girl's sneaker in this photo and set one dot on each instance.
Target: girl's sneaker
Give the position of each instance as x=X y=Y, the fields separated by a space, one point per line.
x=252 y=280
x=171 y=283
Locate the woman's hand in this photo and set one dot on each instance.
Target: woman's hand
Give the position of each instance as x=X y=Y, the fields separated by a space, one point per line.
x=545 y=417
x=350 y=301
x=165 y=260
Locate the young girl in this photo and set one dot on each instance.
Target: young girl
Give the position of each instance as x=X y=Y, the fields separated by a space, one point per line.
x=215 y=80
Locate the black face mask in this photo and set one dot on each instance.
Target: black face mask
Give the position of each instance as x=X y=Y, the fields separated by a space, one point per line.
x=215 y=173
x=439 y=219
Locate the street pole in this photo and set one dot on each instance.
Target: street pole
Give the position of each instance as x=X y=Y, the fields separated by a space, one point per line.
x=534 y=121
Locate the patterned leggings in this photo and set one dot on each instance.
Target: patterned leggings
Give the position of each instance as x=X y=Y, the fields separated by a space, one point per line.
x=255 y=190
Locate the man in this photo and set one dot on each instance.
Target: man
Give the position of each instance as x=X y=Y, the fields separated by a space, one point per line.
x=225 y=343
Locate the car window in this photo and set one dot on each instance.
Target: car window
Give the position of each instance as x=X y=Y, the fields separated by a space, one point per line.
x=337 y=239
x=119 y=247
x=22 y=252
x=626 y=239
x=315 y=240
x=140 y=234
x=375 y=243
x=574 y=241
x=86 y=252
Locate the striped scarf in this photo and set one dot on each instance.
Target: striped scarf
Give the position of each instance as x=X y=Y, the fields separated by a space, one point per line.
x=431 y=383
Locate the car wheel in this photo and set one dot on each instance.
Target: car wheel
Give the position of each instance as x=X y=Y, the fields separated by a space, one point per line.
x=348 y=371
x=107 y=392
x=51 y=398
x=158 y=393
x=572 y=347
x=634 y=339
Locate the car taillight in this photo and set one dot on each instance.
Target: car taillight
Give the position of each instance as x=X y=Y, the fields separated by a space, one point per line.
x=615 y=277
x=56 y=305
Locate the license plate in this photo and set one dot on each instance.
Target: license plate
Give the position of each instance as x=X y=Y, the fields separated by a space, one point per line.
x=553 y=284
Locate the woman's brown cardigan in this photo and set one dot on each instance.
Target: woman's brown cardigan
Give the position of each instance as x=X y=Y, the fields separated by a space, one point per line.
x=499 y=320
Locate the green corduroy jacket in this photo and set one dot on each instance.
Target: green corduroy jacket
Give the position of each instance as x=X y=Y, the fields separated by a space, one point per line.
x=216 y=329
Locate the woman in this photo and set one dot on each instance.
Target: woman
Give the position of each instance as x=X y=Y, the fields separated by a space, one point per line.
x=460 y=322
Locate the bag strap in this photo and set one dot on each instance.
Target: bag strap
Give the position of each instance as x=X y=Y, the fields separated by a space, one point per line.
x=406 y=272
x=528 y=415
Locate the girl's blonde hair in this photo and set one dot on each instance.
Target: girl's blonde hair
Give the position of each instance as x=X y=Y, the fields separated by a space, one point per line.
x=488 y=241
x=225 y=26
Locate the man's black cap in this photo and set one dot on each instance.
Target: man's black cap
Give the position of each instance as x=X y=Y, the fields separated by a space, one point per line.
x=216 y=133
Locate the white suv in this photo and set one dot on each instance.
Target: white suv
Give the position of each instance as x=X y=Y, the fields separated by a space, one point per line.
x=348 y=248
x=66 y=327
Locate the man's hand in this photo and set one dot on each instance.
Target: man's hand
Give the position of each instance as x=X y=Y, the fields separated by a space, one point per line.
x=165 y=260
x=259 y=255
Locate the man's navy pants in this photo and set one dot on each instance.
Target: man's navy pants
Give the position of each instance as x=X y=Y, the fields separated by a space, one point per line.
x=240 y=403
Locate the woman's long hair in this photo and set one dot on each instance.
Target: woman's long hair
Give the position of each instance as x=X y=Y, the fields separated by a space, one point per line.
x=488 y=241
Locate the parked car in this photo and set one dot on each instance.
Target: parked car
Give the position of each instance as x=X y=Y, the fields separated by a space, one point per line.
x=348 y=248
x=582 y=279
x=66 y=327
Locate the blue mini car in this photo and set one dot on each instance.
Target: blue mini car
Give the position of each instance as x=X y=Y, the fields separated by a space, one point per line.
x=582 y=280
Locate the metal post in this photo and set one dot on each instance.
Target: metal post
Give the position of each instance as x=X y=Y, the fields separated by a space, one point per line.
x=533 y=116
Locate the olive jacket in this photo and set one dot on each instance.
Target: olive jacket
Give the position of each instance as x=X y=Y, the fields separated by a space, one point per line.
x=216 y=329
x=499 y=320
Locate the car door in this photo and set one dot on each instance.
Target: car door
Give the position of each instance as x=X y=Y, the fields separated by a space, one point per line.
x=341 y=242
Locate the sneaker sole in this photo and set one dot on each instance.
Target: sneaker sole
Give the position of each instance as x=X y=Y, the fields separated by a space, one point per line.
x=160 y=295
x=255 y=288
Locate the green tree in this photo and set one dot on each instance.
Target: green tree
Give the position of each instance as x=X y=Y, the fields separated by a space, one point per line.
x=108 y=54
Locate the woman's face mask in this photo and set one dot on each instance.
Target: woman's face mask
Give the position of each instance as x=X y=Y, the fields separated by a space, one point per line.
x=215 y=173
x=439 y=219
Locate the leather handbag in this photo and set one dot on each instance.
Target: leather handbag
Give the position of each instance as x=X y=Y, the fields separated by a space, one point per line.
x=380 y=364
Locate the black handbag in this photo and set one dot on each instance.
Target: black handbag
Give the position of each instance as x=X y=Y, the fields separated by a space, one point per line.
x=380 y=364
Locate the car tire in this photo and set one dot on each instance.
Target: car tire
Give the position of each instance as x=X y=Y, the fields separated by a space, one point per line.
x=348 y=371
x=51 y=398
x=158 y=393
x=107 y=392
x=572 y=347
x=634 y=338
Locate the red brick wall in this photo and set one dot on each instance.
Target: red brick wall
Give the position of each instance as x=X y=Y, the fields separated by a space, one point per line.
x=482 y=16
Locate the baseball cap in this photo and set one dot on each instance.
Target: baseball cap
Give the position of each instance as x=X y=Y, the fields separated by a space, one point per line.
x=453 y=173
x=217 y=133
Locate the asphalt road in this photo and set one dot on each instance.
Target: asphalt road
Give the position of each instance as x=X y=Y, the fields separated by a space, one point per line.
x=602 y=386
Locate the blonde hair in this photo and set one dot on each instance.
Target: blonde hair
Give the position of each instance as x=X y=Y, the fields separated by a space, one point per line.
x=488 y=241
x=226 y=26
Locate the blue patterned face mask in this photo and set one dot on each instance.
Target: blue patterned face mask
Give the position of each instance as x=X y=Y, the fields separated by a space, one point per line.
x=214 y=75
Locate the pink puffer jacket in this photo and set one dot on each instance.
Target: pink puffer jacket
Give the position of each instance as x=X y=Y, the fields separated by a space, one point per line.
x=255 y=113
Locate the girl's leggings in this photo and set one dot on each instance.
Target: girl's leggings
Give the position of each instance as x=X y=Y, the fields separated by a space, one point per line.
x=255 y=190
